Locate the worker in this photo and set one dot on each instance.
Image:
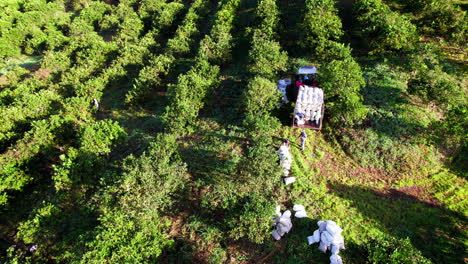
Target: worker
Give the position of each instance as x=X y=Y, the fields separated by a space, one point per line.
x=299 y=118
x=303 y=137
x=285 y=142
x=307 y=81
x=298 y=81
x=96 y=104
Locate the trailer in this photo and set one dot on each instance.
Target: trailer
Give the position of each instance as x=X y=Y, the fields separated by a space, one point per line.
x=309 y=108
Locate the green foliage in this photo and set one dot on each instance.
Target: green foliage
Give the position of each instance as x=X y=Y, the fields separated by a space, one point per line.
x=30 y=230
x=216 y=47
x=441 y=18
x=262 y=97
x=132 y=229
x=434 y=85
x=452 y=132
x=36 y=28
x=321 y=24
x=187 y=96
x=375 y=150
x=383 y=29
x=13 y=177
x=123 y=239
x=268 y=60
x=327 y=51
x=267 y=14
x=387 y=249
x=342 y=82
x=99 y=136
x=252 y=219
x=77 y=165
x=100 y=205
x=180 y=43
x=28 y=107
x=150 y=76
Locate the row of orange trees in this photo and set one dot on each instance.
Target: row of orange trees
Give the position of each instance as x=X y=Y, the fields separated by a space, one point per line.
x=187 y=96
x=50 y=138
x=151 y=76
x=340 y=75
x=80 y=71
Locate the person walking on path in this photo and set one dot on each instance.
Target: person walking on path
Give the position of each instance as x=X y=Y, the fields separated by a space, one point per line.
x=303 y=137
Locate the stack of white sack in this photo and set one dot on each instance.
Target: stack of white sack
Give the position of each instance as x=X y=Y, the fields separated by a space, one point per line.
x=309 y=102
x=299 y=211
x=330 y=238
x=282 y=223
x=285 y=159
x=282 y=85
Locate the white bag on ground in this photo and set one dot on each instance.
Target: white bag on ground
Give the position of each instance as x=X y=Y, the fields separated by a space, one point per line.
x=300 y=214
x=276 y=235
x=322 y=226
x=289 y=180
x=335 y=259
x=322 y=247
x=298 y=207
x=335 y=249
x=278 y=211
x=329 y=235
x=316 y=236
x=282 y=224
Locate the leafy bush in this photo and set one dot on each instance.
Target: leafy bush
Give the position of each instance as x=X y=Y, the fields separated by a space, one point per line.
x=328 y=50
x=132 y=228
x=434 y=85
x=261 y=97
x=321 y=23
x=124 y=239
x=188 y=95
x=446 y=19
x=268 y=60
x=384 y=29
x=252 y=218
x=13 y=177
x=441 y=18
x=388 y=249
x=36 y=28
x=216 y=47
x=342 y=82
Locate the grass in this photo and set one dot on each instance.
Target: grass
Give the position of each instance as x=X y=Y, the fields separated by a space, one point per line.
x=331 y=186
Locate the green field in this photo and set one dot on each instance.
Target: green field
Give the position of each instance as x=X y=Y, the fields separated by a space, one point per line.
x=178 y=163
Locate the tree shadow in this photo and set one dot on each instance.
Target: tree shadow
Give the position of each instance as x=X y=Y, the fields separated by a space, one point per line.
x=291 y=19
x=207 y=166
x=181 y=251
x=433 y=229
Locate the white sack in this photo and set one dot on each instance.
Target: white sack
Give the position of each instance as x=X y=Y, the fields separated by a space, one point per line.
x=289 y=180
x=300 y=214
x=298 y=207
x=322 y=247
x=276 y=235
x=316 y=235
x=335 y=259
